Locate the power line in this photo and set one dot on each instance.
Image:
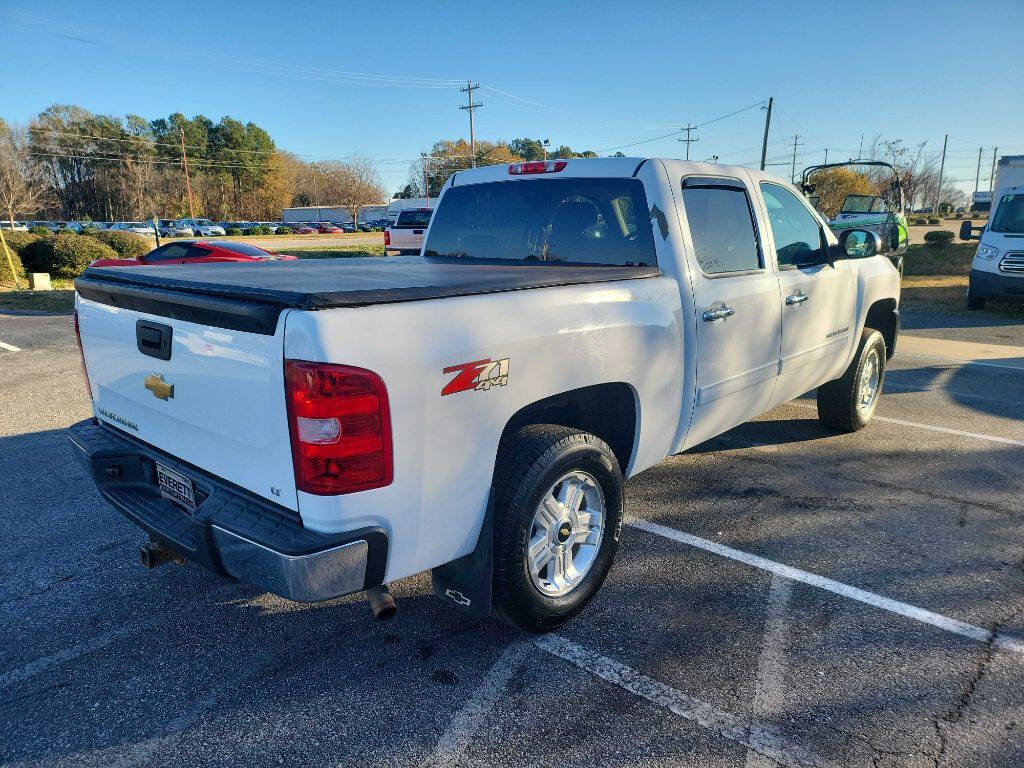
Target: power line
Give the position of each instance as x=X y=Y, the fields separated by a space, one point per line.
x=676 y=133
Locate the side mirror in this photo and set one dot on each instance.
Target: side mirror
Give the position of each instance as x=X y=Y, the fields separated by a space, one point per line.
x=860 y=243
x=967 y=231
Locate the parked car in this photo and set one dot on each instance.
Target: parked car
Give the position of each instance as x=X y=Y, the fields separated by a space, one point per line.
x=302 y=229
x=200 y=227
x=84 y=226
x=326 y=228
x=138 y=227
x=18 y=226
x=348 y=227
x=407 y=233
x=197 y=252
x=170 y=228
x=563 y=331
x=53 y=226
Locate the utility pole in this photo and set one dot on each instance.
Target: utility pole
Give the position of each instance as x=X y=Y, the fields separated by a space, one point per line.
x=826 y=155
x=792 y=171
x=688 y=140
x=468 y=90
x=942 y=168
x=426 y=179
x=188 y=185
x=977 y=174
x=992 y=173
x=767 y=122
x=860 y=151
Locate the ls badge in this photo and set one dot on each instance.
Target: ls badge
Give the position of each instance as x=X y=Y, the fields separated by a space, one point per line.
x=479 y=375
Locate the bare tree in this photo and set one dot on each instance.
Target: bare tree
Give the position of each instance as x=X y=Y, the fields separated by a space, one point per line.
x=23 y=186
x=355 y=184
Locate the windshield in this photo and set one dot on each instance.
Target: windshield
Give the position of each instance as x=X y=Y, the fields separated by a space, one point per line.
x=861 y=204
x=569 y=220
x=204 y=223
x=1009 y=216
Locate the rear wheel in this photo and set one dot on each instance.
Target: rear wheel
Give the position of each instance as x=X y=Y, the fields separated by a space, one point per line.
x=849 y=402
x=557 y=520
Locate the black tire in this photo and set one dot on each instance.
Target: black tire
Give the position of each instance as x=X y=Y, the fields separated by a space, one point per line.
x=974 y=302
x=838 y=400
x=530 y=462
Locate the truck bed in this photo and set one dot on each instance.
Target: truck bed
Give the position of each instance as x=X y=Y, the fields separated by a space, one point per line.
x=250 y=297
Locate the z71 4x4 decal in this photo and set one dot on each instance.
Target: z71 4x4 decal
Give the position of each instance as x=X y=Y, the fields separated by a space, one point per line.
x=479 y=375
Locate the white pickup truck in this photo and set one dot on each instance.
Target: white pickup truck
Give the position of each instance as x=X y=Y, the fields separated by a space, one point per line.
x=318 y=428
x=407 y=232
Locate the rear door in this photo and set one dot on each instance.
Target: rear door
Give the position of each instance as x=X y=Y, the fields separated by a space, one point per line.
x=736 y=294
x=225 y=411
x=817 y=299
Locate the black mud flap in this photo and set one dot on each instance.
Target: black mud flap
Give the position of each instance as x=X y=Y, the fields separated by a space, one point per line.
x=467 y=581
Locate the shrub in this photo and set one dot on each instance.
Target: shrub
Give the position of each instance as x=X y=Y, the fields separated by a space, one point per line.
x=265 y=230
x=934 y=220
x=17 y=241
x=72 y=254
x=284 y=230
x=5 y=271
x=37 y=256
x=233 y=231
x=126 y=245
x=39 y=231
x=252 y=231
x=938 y=237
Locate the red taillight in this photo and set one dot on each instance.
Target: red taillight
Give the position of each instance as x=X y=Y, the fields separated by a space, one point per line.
x=387 y=237
x=536 y=166
x=81 y=357
x=340 y=427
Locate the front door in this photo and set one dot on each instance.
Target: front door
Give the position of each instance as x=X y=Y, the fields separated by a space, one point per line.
x=736 y=294
x=817 y=298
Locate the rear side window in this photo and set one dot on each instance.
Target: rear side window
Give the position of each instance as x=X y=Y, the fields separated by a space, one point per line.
x=413 y=219
x=168 y=252
x=567 y=221
x=721 y=227
x=243 y=248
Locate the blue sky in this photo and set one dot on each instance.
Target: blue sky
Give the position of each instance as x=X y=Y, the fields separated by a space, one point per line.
x=593 y=75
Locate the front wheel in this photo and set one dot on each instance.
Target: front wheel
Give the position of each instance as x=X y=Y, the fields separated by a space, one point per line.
x=849 y=402
x=557 y=521
x=974 y=302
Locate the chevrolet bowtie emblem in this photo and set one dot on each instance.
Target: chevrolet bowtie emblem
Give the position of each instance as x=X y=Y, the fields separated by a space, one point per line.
x=155 y=383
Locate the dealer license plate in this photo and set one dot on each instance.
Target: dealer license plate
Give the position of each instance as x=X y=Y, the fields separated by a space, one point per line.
x=175 y=487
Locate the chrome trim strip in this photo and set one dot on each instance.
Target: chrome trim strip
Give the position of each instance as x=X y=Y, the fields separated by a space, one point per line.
x=309 y=578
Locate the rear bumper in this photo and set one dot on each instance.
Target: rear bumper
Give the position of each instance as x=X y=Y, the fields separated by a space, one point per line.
x=232 y=532
x=994 y=285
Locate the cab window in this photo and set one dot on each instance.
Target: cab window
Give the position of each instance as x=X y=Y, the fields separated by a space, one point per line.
x=797 y=233
x=721 y=226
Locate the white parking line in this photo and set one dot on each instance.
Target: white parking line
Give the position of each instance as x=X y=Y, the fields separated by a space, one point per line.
x=929 y=427
x=9 y=347
x=769 y=691
x=955 y=626
x=736 y=728
x=451 y=747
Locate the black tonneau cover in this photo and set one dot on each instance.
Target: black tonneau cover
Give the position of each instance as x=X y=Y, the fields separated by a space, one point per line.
x=250 y=297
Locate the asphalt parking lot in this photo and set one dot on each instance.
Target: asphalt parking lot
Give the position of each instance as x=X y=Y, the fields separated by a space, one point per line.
x=782 y=596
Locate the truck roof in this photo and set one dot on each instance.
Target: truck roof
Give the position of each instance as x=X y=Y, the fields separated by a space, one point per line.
x=598 y=167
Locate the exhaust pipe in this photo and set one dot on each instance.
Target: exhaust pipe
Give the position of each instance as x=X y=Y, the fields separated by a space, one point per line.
x=154 y=555
x=381 y=602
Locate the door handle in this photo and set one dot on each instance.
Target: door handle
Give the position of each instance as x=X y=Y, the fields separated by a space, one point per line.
x=718 y=314
x=796 y=299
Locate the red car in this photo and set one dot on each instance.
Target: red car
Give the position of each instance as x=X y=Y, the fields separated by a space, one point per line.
x=302 y=229
x=326 y=228
x=198 y=252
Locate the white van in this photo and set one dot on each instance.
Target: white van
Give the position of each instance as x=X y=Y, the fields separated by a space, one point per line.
x=997 y=271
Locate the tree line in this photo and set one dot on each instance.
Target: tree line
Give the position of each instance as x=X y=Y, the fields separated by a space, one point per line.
x=71 y=164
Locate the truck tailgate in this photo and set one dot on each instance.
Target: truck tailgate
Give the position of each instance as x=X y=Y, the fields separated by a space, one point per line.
x=215 y=396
